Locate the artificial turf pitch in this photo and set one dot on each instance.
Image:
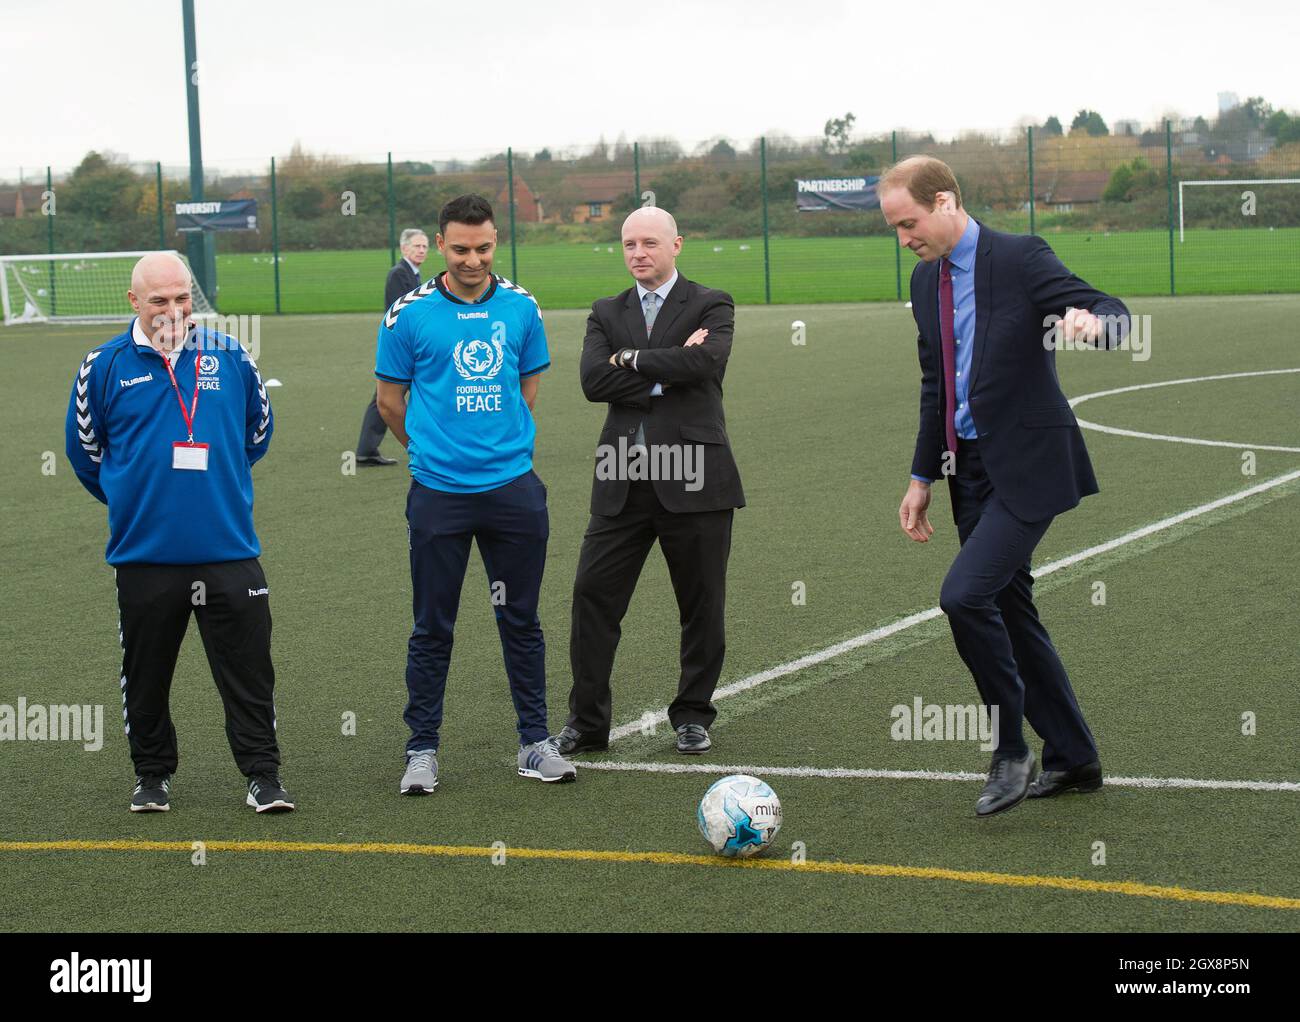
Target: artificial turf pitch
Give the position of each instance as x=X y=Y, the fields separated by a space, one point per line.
x=1199 y=626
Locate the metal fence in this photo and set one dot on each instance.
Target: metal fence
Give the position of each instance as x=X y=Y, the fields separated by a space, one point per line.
x=1167 y=210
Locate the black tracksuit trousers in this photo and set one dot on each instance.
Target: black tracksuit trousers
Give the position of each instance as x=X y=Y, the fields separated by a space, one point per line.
x=230 y=600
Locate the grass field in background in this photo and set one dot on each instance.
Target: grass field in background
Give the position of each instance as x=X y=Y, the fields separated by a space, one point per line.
x=569 y=276
x=802 y=269
x=1198 y=627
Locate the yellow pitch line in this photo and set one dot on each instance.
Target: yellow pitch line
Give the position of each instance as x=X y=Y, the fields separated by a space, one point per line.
x=1125 y=887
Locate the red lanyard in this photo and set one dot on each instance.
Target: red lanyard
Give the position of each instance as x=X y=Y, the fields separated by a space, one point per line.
x=194 y=407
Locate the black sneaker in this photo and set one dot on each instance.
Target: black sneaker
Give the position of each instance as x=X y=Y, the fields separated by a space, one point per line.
x=267 y=795
x=572 y=742
x=151 y=793
x=692 y=739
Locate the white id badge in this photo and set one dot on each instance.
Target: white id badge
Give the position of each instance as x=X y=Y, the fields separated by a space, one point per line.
x=190 y=456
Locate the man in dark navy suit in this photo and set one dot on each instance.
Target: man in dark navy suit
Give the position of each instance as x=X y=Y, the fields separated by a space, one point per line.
x=402 y=279
x=990 y=310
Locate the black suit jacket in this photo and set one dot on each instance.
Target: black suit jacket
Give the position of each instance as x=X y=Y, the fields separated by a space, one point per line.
x=401 y=279
x=690 y=410
x=1030 y=442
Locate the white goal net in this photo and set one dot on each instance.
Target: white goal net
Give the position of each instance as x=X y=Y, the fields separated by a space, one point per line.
x=84 y=287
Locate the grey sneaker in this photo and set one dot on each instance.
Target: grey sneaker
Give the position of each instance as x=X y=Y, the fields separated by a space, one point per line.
x=543 y=761
x=421 y=775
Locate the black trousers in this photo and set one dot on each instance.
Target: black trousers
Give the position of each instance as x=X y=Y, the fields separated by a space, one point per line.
x=373 y=429
x=696 y=547
x=988 y=596
x=231 y=603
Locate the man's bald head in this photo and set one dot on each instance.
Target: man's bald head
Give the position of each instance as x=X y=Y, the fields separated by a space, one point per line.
x=651 y=245
x=157 y=269
x=160 y=295
x=649 y=218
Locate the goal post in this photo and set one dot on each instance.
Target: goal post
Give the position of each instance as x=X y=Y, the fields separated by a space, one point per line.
x=1224 y=181
x=76 y=287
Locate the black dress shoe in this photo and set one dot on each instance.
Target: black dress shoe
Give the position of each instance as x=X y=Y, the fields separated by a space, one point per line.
x=571 y=742
x=693 y=739
x=376 y=459
x=1007 y=785
x=1081 y=778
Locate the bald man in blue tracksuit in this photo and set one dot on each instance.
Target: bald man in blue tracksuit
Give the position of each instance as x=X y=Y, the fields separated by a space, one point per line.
x=164 y=425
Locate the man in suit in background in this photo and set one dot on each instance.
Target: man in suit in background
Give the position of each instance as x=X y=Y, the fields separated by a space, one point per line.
x=657 y=354
x=995 y=423
x=402 y=279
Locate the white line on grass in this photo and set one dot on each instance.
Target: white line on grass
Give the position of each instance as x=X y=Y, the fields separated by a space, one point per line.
x=920 y=775
x=902 y=624
x=1115 y=430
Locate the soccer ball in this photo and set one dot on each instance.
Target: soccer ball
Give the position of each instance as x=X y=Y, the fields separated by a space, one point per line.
x=739 y=815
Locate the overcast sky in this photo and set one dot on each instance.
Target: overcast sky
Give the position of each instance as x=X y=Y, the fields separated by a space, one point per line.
x=446 y=79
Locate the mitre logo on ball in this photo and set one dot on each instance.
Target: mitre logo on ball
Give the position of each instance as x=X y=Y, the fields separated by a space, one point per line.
x=478 y=360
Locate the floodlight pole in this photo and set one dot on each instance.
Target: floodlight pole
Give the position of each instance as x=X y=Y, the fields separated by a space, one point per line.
x=200 y=247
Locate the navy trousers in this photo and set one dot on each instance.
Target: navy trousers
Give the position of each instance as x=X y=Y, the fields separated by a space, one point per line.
x=511 y=526
x=988 y=597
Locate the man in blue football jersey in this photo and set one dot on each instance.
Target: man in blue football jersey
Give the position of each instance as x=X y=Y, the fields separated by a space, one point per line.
x=470 y=345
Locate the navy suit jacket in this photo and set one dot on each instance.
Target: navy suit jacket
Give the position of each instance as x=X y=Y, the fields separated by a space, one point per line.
x=1029 y=440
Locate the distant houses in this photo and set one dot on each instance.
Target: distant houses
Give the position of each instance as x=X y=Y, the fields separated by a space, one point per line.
x=596 y=194
x=21 y=201
x=1066 y=190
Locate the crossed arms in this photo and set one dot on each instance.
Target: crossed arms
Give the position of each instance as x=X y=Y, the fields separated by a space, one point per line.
x=606 y=377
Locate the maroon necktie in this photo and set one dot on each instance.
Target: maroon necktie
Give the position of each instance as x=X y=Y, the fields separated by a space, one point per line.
x=947 y=334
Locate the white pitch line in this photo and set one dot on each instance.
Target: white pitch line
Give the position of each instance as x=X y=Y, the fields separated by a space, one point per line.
x=1235 y=445
x=1116 y=431
x=840 y=773
x=1166 y=523
x=902 y=624
x=1174 y=383
x=754 y=680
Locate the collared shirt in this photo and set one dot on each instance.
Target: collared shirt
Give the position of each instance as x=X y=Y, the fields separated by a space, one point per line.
x=662 y=291
x=962 y=263
x=141 y=338
x=414 y=269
